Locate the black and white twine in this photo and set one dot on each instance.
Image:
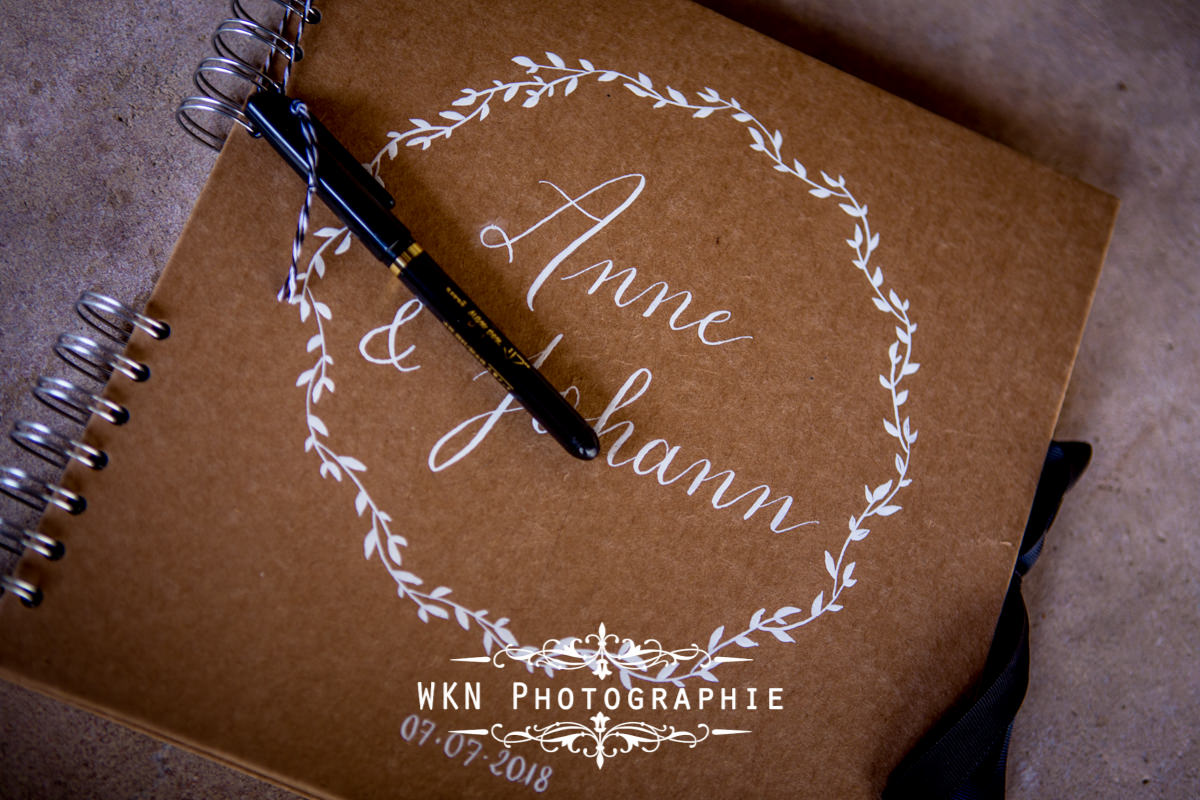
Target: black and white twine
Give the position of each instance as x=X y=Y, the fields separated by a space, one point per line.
x=288 y=290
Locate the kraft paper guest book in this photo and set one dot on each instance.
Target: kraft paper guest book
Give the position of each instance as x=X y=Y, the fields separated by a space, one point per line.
x=822 y=334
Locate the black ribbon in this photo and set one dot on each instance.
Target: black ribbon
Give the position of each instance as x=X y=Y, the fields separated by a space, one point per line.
x=964 y=756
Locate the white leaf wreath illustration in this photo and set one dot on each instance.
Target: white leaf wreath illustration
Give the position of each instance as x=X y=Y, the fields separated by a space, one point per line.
x=542 y=81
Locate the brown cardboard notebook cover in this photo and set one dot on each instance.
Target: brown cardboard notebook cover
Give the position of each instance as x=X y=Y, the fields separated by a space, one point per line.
x=823 y=335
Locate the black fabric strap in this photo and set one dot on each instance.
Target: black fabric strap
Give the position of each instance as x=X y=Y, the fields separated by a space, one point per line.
x=964 y=756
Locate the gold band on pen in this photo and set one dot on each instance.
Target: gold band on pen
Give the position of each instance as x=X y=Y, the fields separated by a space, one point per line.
x=404 y=258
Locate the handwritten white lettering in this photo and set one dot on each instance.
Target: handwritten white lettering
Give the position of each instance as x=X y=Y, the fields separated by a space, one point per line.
x=633 y=388
x=493 y=236
x=403 y=314
x=507 y=241
x=655 y=457
x=483 y=422
x=629 y=275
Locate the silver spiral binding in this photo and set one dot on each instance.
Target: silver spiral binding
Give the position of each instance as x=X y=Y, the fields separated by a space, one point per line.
x=25 y=591
x=52 y=446
x=115 y=320
x=37 y=493
x=96 y=358
x=78 y=404
x=252 y=52
x=16 y=539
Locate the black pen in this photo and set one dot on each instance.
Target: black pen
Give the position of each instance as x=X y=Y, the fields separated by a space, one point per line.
x=364 y=206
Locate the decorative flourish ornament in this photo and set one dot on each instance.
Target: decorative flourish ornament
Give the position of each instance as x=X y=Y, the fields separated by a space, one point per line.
x=600 y=742
x=628 y=657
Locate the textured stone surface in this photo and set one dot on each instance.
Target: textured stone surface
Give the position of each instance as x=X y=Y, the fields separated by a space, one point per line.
x=97 y=181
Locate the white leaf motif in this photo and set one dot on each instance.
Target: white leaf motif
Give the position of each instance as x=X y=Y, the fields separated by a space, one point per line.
x=352 y=464
x=408 y=578
x=474 y=105
x=715 y=638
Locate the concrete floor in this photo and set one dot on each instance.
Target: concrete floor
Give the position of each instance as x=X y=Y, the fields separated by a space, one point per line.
x=97 y=181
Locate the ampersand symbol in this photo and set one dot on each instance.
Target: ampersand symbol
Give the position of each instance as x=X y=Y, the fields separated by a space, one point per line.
x=403 y=314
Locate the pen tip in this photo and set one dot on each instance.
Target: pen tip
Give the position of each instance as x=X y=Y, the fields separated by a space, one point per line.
x=588 y=448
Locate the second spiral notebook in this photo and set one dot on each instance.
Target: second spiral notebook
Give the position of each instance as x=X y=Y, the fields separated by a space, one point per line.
x=823 y=337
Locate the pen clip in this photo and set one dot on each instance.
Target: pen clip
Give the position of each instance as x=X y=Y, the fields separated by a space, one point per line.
x=276 y=109
x=329 y=146
x=345 y=186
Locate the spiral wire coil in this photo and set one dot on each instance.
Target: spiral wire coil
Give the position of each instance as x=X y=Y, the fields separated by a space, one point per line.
x=252 y=51
x=98 y=358
x=251 y=54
